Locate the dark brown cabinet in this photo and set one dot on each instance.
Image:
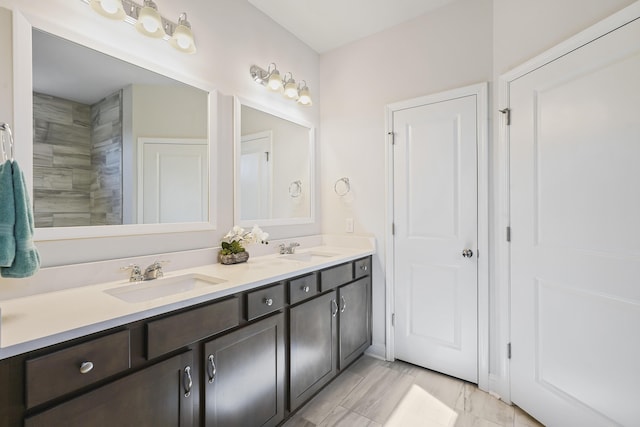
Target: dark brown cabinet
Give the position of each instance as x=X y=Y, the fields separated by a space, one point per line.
x=328 y=332
x=313 y=348
x=159 y=395
x=354 y=324
x=244 y=360
x=244 y=376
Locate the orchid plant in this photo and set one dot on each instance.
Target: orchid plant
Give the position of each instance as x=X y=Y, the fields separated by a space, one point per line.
x=233 y=242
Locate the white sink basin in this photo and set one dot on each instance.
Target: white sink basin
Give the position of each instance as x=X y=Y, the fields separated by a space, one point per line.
x=309 y=256
x=158 y=288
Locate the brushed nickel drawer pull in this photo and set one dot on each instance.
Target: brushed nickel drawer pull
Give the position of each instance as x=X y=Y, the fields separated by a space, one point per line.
x=268 y=301
x=364 y=267
x=344 y=304
x=305 y=289
x=211 y=369
x=86 y=367
x=187 y=381
x=335 y=305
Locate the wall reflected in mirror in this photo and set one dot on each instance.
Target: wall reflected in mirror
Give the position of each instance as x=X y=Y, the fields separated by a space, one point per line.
x=275 y=177
x=114 y=143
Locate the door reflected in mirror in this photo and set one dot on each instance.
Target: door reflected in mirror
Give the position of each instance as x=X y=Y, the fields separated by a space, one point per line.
x=274 y=177
x=114 y=143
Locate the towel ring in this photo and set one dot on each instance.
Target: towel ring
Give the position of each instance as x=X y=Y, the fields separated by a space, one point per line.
x=5 y=156
x=342 y=186
x=295 y=188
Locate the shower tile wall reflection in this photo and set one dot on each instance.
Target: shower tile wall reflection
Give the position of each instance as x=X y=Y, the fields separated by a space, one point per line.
x=77 y=162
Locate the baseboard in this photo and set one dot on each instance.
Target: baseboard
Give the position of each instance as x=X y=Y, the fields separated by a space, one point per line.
x=376 y=350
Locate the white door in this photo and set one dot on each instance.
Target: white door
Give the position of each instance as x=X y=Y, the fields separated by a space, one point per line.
x=575 y=240
x=435 y=241
x=173 y=185
x=255 y=176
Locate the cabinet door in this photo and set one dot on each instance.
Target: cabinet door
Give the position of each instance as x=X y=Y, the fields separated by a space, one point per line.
x=244 y=376
x=155 y=396
x=313 y=347
x=355 y=320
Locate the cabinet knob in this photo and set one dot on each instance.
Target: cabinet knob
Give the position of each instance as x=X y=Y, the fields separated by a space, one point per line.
x=305 y=289
x=364 y=267
x=211 y=369
x=187 y=382
x=86 y=367
x=268 y=301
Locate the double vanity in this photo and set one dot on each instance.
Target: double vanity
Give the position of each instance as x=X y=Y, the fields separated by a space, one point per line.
x=241 y=345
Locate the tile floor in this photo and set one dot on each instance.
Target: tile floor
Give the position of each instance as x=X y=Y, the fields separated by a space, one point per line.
x=373 y=392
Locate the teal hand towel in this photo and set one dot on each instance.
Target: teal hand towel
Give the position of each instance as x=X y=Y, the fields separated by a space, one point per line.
x=27 y=260
x=7 y=216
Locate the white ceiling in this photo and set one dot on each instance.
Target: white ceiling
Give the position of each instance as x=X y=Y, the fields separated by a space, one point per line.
x=70 y=71
x=327 y=24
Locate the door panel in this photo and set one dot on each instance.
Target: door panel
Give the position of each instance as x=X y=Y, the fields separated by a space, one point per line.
x=435 y=217
x=174 y=183
x=245 y=376
x=313 y=350
x=355 y=327
x=256 y=175
x=575 y=257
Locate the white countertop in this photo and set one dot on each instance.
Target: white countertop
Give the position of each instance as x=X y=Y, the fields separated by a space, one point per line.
x=36 y=321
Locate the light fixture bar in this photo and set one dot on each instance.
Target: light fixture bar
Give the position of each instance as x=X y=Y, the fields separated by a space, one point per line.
x=132 y=11
x=288 y=87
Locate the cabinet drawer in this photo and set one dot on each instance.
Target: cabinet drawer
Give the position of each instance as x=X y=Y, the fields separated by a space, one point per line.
x=362 y=267
x=58 y=373
x=265 y=301
x=302 y=288
x=336 y=276
x=171 y=333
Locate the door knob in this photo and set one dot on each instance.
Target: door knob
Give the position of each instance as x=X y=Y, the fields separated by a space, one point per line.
x=467 y=253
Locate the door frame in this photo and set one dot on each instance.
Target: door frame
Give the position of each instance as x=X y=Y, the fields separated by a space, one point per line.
x=480 y=90
x=500 y=380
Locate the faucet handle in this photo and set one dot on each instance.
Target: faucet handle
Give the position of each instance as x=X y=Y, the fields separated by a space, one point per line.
x=154 y=271
x=157 y=264
x=136 y=272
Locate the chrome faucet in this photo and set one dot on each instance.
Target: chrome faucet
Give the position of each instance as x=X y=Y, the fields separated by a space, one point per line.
x=291 y=249
x=136 y=272
x=154 y=271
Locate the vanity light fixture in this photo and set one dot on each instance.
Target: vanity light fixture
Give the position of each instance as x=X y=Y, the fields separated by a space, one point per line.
x=275 y=81
x=110 y=8
x=304 y=97
x=148 y=21
x=182 y=38
x=290 y=88
x=271 y=79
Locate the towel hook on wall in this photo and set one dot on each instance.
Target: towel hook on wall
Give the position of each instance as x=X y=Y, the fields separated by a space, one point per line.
x=6 y=155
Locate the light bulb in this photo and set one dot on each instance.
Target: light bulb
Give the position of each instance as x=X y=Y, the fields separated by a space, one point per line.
x=182 y=38
x=149 y=20
x=305 y=96
x=110 y=8
x=149 y=24
x=275 y=82
x=290 y=89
